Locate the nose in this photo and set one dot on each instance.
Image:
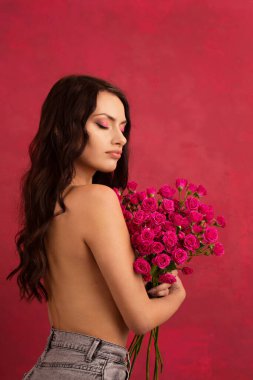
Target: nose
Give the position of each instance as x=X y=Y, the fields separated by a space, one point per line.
x=120 y=138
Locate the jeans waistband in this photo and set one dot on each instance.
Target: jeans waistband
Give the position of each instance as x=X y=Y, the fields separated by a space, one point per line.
x=86 y=343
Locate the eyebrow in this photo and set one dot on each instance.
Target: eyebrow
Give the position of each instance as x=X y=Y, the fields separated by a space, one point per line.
x=110 y=117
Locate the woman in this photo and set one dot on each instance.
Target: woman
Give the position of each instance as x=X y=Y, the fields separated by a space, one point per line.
x=75 y=250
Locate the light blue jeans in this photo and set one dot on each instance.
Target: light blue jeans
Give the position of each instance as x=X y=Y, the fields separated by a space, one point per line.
x=70 y=355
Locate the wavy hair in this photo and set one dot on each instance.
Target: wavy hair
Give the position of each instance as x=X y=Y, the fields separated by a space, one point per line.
x=52 y=152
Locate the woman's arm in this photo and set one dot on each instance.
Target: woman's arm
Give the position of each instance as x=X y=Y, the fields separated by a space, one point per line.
x=162 y=308
x=107 y=236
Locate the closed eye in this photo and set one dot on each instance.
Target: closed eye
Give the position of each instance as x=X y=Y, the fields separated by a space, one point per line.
x=101 y=126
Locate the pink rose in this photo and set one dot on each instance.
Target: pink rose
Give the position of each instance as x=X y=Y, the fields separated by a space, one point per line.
x=187 y=270
x=149 y=204
x=177 y=219
x=207 y=211
x=141 y=195
x=131 y=185
x=221 y=221
x=195 y=216
x=166 y=191
x=168 y=205
x=218 y=249
x=157 y=247
x=144 y=248
x=168 y=226
x=134 y=199
x=170 y=239
x=210 y=235
x=162 y=260
x=192 y=203
x=141 y=266
x=179 y=255
x=191 y=242
x=192 y=188
x=196 y=229
x=139 y=217
x=181 y=183
x=147 y=235
x=201 y=190
x=167 y=278
x=158 y=218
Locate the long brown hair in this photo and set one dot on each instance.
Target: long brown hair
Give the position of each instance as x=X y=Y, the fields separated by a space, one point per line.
x=52 y=152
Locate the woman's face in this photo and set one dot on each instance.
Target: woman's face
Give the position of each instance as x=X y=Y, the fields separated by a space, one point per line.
x=105 y=127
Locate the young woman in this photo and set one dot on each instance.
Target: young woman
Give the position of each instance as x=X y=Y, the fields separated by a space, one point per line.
x=74 y=246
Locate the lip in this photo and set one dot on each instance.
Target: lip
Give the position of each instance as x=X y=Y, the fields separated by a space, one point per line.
x=115 y=154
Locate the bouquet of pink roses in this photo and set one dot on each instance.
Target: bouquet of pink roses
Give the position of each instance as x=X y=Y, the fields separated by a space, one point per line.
x=166 y=233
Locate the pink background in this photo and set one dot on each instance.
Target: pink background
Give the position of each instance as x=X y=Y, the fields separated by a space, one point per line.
x=186 y=67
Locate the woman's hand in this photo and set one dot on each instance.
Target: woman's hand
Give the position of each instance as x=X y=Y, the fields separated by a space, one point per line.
x=161 y=290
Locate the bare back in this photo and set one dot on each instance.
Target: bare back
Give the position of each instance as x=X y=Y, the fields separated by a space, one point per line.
x=79 y=298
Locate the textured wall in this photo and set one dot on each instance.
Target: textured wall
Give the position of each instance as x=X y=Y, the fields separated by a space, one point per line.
x=187 y=69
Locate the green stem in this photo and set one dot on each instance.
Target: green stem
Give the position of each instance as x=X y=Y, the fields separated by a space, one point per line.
x=148 y=356
x=157 y=349
x=134 y=344
x=155 y=338
x=155 y=367
x=135 y=350
x=135 y=339
x=158 y=357
x=132 y=364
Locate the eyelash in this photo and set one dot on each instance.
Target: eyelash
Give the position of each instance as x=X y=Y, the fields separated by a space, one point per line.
x=100 y=126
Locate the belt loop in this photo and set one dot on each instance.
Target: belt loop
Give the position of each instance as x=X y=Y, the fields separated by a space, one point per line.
x=92 y=349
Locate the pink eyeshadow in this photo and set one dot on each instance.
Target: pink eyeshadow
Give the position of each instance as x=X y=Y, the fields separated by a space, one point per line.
x=104 y=124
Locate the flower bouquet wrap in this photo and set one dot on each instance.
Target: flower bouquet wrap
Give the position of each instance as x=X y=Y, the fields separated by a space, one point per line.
x=166 y=233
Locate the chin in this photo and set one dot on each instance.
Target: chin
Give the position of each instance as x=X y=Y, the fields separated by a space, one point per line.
x=107 y=168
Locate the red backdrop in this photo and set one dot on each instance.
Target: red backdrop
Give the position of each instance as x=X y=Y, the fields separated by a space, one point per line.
x=186 y=67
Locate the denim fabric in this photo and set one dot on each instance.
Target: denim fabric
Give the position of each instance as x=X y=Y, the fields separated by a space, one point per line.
x=70 y=355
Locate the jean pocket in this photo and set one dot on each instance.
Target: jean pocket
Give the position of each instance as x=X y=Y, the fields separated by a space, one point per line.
x=115 y=370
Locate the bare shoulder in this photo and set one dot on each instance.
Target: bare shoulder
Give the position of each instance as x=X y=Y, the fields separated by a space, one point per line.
x=95 y=196
x=94 y=189
x=97 y=207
